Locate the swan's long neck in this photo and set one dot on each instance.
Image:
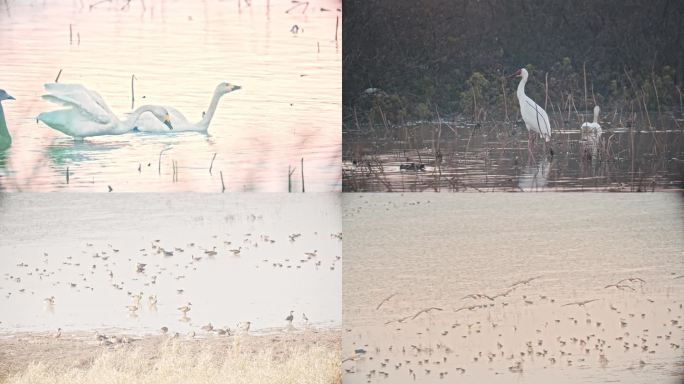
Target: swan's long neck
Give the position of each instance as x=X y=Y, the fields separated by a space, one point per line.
x=129 y=123
x=210 y=112
x=596 y=113
x=4 y=132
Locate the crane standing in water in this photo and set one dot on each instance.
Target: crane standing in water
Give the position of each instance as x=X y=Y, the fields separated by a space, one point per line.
x=534 y=116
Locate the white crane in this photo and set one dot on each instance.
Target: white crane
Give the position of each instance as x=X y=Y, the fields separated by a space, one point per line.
x=535 y=117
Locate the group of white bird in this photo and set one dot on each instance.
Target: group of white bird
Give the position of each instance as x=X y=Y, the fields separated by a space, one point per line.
x=537 y=120
x=86 y=113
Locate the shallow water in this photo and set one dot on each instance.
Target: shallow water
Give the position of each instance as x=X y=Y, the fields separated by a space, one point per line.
x=433 y=251
x=289 y=106
x=495 y=157
x=53 y=240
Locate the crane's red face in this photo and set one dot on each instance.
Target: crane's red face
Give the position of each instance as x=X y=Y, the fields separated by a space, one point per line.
x=517 y=73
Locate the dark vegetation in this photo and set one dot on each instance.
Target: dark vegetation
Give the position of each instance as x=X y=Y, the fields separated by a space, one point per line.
x=450 y=57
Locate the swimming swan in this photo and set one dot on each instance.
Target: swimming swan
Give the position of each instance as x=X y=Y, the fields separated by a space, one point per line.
x=5 y=138
x=146 y=123
x=88 y=115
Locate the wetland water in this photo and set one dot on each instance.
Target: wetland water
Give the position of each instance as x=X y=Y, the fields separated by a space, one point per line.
x=495 y=157
x=289 y=106
x=537 y=252
x=84 y=250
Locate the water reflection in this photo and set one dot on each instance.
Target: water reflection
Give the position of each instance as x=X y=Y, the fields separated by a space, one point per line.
x=535 y=177
x=490 y=157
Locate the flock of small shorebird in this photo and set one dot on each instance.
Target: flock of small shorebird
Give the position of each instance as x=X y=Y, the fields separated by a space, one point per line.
x=242 y=328
x=416 y=361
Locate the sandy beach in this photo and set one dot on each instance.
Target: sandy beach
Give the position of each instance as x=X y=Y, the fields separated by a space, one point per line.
x=513 y=288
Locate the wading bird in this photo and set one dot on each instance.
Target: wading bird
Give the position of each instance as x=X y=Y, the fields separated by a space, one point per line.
x=534 y=116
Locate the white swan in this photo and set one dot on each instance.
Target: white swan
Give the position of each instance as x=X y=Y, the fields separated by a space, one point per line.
x=146 y=123
x=5 y=138
x=88 y=115
x=595 y=126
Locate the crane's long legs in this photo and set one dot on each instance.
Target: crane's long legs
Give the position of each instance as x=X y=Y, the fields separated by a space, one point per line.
x=530 y=143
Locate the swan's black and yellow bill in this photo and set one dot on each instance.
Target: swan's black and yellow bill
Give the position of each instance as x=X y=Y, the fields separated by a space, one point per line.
x=167 y=121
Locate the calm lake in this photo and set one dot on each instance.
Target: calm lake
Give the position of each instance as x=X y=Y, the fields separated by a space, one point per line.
x=533 y=258
x=289 y=107
x=85 y=252
x=494 y=156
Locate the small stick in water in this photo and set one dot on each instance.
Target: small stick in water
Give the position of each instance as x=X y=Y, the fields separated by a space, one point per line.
x=132 y=92
x=71 y=35
x=78 y=38
x=67 y=175
x=318 y=44
x=223 y=186
x=337 y=26
x=289 y=177
x=302 y=174
x=212 y=163
x=58 y=75
x=174 y=177
x=160 y=155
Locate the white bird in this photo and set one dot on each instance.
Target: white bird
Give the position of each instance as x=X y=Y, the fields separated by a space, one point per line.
x=132 y=308
x=185 y=309
x=595 y=126
x=147 y=123
x=49 y=301
x=207 y=327
x=536 y=119
x=88 y=115
x=244 y=326
x=5 y=138
x=136 y=299
x=290 y=317
x=590 y=138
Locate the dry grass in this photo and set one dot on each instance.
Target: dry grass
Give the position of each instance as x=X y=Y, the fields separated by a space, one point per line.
x=178 y=362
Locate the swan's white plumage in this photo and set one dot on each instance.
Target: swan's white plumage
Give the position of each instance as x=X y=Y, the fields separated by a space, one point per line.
x=147 y=123
x=595 y=126
x=77 y=96
x=87 y=114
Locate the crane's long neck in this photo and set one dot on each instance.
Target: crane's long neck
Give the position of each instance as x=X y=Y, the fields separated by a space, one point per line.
x=521 y=87
x=206 y=119
x=4 y=132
